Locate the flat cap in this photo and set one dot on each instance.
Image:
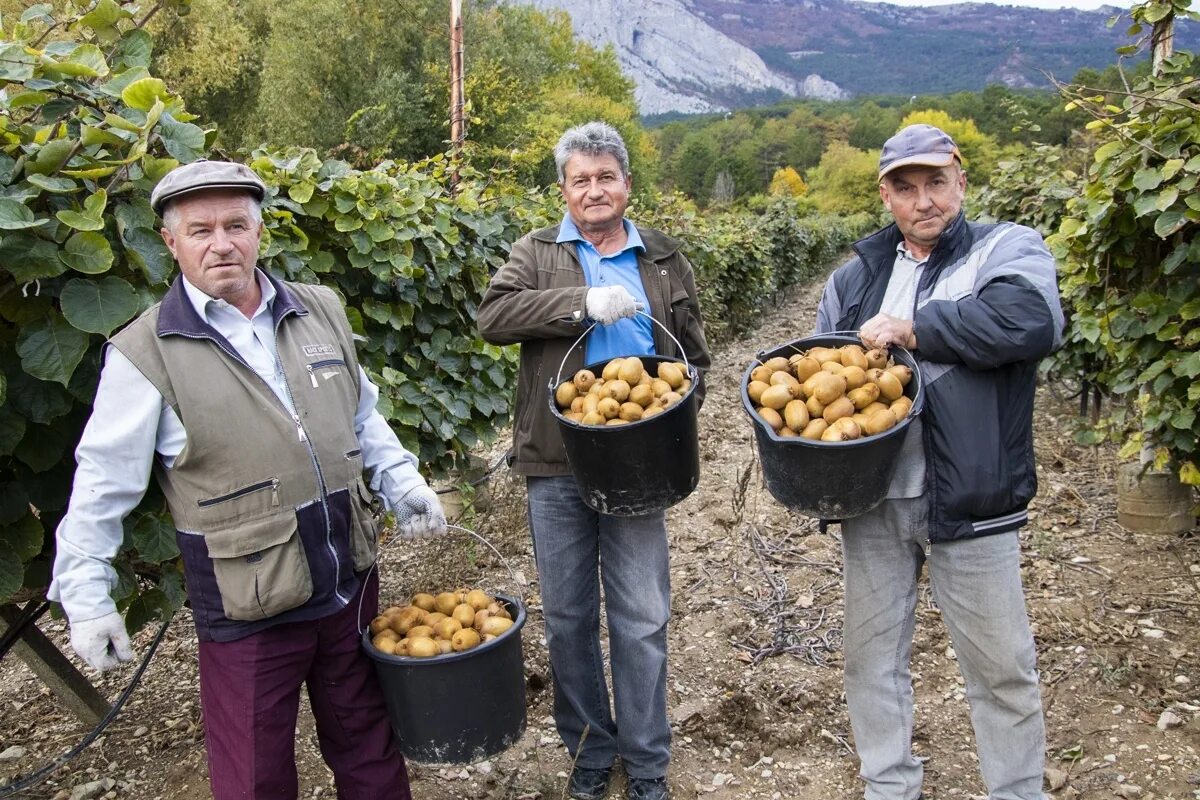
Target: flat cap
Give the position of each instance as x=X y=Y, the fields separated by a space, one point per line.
x=203 y=174
x=923 y=145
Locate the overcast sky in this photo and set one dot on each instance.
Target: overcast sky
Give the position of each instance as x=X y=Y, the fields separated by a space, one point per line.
x=1081 y=4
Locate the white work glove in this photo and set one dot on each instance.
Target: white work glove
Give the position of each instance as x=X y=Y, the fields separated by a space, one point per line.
x=419 y=514
x=607 y=304
x=101 y=642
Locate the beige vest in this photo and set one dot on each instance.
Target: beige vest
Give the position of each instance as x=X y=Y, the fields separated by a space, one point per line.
x=249 y=463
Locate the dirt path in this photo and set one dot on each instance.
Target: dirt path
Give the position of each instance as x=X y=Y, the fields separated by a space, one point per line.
x=755 y=687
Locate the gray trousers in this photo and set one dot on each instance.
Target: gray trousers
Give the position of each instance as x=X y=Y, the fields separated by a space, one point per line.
x=977 y=585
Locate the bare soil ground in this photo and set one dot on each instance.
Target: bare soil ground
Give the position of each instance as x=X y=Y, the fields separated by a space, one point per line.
x=755 y=689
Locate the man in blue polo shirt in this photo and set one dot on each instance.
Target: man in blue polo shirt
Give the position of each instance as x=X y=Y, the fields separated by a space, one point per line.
x=595 y=267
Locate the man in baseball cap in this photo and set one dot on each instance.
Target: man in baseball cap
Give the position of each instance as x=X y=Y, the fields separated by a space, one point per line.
x=243 y=395
x=977 y=305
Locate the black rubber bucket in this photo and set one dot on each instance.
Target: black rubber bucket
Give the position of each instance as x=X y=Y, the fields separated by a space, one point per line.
x=831 y=480
x=640 y=468
x=437 y=707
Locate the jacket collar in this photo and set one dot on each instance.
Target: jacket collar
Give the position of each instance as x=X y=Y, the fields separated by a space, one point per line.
x=177 y=316
x=656 y=246
x=879 y=249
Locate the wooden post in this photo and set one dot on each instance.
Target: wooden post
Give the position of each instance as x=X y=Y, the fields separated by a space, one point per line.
x=1162 y=42
x=457 y=128
x=70 y=686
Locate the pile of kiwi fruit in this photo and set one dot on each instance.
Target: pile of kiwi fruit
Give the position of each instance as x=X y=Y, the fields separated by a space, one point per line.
x=433 y=625
x=624 y=392
x=831 y=394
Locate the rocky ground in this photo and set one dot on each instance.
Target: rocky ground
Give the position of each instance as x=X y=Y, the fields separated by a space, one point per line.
x=755 y=688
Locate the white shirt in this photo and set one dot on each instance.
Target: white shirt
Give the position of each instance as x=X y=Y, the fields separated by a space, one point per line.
x=899 y=300
x=131 y=422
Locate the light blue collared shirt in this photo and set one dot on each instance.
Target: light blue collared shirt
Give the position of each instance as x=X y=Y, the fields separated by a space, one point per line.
x=625 y=337
x=131 y=422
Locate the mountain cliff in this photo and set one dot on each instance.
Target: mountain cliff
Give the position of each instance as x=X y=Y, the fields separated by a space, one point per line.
x=706 y=55
x=678 y=61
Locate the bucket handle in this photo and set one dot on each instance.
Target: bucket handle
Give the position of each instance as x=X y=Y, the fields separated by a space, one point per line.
x=374 y=564
x=918 y=406
x=640 y=312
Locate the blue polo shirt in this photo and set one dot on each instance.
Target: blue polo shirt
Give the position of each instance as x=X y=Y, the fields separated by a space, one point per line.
x=625 y=337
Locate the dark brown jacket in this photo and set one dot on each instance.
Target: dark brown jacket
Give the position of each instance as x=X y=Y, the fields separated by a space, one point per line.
x=537 y=299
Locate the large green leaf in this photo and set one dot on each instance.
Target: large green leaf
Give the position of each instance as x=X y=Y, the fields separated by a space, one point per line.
x=86 y=61
x=1169 y=222
x=15 y=216
x=146 y=607
x=135 y=49
x=146 y=250
x=87 y=252
x=28 y=258
x=35 y=400
x=43 y=446
x=142 y=94
x=14 y=502
x=50 y=349
x=99 y=307
x=12 y=572
x=24 y=536
x=12 y=430
x=183 y=140
x=16 y=65
x=80 y=222
x=57 y=185
x=154 y=537
x=105 y=14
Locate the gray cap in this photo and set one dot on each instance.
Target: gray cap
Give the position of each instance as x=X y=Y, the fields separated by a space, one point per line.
x=923 y=145
x=204 y=174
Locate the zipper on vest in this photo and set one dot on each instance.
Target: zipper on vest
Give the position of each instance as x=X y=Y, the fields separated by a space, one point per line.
x=316 y=365
x=324 y=489
x=272 y=484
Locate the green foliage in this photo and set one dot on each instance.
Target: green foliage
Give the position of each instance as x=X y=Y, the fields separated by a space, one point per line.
x=1130 y=254
x=84 y=134
x=846 y=181
x=1032 y=185
x=86 y=131
x=367 y=81
x=412 y=262
x=742 y=260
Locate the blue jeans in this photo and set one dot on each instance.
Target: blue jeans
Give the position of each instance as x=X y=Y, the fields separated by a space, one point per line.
x=977 y=586
x=575 y=548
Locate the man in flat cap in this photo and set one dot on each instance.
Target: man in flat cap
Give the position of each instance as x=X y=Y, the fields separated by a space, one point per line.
x=243 y=395
x=978 y=307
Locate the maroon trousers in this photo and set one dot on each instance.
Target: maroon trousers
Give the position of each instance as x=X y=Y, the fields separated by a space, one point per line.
x=250 y=696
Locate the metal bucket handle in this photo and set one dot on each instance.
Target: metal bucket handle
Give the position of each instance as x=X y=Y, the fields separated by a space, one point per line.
x=511 y=572
x=687 y=365
x=918 y=404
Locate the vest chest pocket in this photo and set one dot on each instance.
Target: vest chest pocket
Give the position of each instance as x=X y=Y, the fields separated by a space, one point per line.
x=260 y=567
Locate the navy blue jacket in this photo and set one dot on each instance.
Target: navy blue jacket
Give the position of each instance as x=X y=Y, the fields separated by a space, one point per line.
x=987 y=310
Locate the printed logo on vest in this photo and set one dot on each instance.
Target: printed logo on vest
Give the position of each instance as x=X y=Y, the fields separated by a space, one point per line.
x=318 y=350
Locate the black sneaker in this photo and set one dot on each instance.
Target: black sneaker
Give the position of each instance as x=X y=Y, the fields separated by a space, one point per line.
x=648 y=789
x=589 y=784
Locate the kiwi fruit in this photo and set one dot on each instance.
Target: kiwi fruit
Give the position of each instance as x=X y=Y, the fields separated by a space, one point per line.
x=772 y=418
x=631 y=370
x=795 y=415
x=671 y=373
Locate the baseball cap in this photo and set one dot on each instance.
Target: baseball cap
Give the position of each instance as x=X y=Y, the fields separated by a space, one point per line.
x=923 y=145
x=205 y=174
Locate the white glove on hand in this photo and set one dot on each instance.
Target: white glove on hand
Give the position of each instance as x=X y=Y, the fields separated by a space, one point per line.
x=607 y=304
x=419 y=514
x=101 y=642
